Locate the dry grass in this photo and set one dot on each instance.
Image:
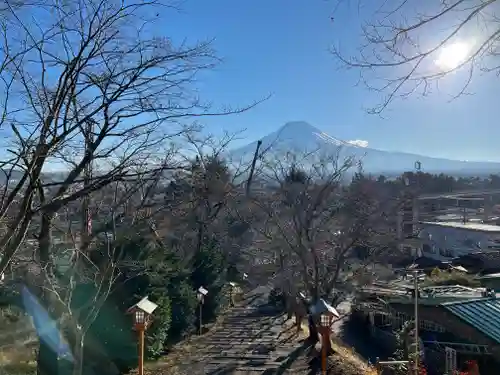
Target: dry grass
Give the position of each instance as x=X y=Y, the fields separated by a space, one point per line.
x=18 y=369
x=345 y=360
x=349 y=361
x=18 y=359
x=18 y=343
x=345 y=353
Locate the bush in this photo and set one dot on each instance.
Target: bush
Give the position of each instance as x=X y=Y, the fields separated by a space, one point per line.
x=183 y=307
x=210 y=271
x=157 y=272
x=157 y=333
x=112 y=339
x=436 y=273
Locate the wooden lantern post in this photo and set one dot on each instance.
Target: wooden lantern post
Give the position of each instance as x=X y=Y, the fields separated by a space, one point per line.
x=142 y=313
x=202 y=293
x=326 y=314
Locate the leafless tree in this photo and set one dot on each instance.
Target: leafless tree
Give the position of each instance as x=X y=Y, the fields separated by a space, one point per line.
x=100 y=265
x=408 y=47
x=88 y=87
x=315 y=221
x=203 y=199
x=87 y=84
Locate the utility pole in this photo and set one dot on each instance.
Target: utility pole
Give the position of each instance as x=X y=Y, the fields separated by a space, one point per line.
x=416 y=209
x=416 y=205
x=417 y=341
x=408 y=211
x=252 y=168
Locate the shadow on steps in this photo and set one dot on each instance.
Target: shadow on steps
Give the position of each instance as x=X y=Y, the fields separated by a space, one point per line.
x=226 y=370
x=292 y=357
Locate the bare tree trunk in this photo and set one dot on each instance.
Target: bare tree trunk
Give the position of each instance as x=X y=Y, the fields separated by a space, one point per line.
x=46 y=360
x=78 y=351
x=199 y=236
x=289 y=308
x=313 y=332
x=47 y=357
x=45 y=239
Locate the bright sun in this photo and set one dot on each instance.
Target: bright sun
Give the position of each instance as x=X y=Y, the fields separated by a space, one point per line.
x=452 y=56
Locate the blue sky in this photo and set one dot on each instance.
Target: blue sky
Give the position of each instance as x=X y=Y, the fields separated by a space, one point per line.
x=281 y=47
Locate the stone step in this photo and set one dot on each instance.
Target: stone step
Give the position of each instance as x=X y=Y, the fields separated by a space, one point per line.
x=238 y=360
x=246 y=363
x=215 y=337
x=213 y=369
x=239 y=354
x=256 y=340
x=269 y=366
x=241 y=329
x=242 y=335
x=238 y=321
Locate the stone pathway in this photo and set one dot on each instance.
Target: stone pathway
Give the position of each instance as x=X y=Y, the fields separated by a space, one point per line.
x=245 y=342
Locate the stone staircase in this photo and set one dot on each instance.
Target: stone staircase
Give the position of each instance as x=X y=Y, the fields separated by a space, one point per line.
x=245 y=342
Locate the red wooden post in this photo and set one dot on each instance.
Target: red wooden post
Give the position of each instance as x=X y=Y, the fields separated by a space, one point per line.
x=141 y=350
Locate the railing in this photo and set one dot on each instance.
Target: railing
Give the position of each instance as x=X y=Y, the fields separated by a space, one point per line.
x=459 y=193
x=381 y=365
x=463 y=348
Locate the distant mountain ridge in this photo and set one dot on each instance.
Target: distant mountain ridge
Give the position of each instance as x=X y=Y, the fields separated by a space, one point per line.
x=300 y=136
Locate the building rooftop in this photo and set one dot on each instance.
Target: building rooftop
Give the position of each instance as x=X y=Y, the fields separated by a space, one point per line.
x=455 y=291
x=458 y=218
x=431 y=295
x=490 y=276
x=474 y=226
x=482 y=314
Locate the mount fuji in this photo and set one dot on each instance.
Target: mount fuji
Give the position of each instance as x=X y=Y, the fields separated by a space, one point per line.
x=300 y=137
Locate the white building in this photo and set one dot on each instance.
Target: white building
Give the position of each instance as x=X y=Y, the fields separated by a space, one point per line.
x=449 y=239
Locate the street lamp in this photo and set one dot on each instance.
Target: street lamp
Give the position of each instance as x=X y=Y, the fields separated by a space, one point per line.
x=139 y=317
x=325 y=320
x=326 y=313
x=201 y=294
x=142 y=315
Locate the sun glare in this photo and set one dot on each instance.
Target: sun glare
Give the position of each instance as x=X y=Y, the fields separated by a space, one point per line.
x=452 y=56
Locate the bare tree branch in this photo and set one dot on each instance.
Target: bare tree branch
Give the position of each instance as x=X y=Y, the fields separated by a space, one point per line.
x=89 y=86
x=408 y=46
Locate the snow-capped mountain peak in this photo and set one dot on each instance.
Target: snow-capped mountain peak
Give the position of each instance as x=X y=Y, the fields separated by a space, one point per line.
x=300 y=136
